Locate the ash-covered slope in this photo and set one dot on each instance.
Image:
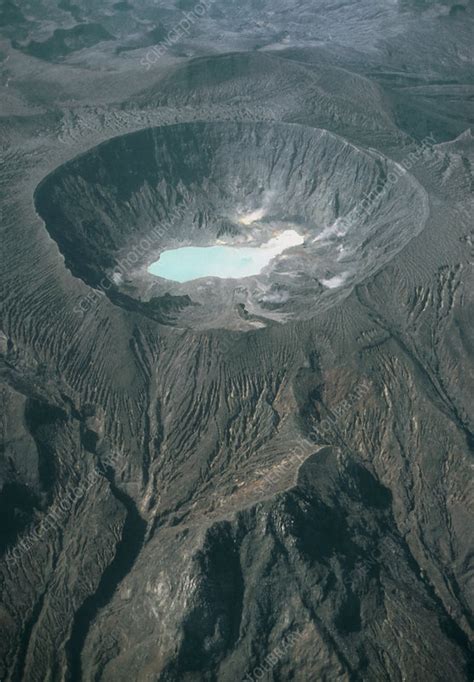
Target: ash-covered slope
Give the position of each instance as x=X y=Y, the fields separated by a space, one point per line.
x=322 y=562
x=277 y=88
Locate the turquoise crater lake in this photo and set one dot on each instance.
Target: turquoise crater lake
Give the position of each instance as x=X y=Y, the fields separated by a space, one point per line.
x=227 y=262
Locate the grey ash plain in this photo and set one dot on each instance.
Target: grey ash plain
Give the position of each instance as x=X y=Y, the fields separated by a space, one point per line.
x=259 y=479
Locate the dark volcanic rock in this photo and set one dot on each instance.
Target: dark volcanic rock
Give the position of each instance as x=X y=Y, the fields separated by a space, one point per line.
x=66 y=41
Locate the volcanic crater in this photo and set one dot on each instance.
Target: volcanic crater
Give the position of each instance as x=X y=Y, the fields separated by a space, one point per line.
x=114 y=210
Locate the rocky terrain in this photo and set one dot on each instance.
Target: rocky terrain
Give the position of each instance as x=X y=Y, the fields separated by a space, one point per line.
x=260 y=479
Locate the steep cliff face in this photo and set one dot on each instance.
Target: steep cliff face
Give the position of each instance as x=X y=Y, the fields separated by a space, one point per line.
x=269 y=479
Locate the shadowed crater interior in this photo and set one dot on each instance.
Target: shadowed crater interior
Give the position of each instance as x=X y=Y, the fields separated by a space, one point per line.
x=116 y=208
